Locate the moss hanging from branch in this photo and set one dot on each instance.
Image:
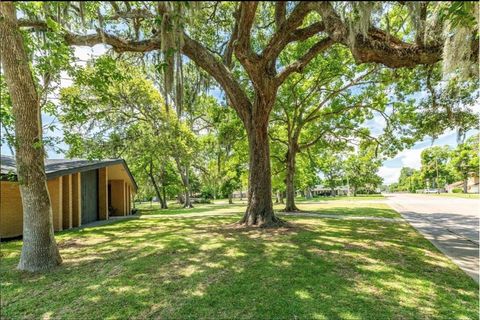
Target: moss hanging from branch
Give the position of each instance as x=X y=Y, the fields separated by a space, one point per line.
x=457 y=51
x=357 y=15
x=174 y=15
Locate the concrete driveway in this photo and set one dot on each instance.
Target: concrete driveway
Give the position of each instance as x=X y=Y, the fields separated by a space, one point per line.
x=451 y=224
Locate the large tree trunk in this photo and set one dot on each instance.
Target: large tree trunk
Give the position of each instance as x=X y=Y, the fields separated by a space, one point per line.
x=260 y=207
x=230 y=198
x=39 y=250
x=465 y=185
x=290 y=181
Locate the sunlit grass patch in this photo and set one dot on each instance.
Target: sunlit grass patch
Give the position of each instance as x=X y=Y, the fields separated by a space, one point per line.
x=205 y=268
x=359 y=197
x=350 y=208
x=454 y=195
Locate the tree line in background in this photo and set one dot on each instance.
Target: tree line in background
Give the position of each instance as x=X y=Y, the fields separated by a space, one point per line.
x=440 y=166
x=211 y=97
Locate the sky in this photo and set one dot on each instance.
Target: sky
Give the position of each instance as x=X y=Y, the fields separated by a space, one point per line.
x=390 y=171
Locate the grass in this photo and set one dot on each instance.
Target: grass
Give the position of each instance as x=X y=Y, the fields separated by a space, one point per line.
x=204 y=268
x=346 y=207
x=455 y=195
x=350 y=209
x=342 y=198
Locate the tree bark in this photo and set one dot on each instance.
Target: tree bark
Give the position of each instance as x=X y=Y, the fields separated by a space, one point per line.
x=230 y=198
x=157 y=190
x=465 y=185
x=164 y=198
x=155 y=185
x=39 y=250
x=186 y=183
x=290 y=181
x=308 y=193
x=183 y=170
x=260 y=207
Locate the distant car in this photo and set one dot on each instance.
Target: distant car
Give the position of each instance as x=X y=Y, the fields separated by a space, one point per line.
x=432 y=191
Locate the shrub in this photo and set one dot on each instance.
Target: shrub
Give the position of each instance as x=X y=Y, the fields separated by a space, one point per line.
x=457 y=190
x=200 y=200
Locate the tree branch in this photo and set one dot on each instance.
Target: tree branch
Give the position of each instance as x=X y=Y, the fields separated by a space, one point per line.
x=227 y=58
x=280 y=13
x=242 y=45
x=377 y=46
x=283 y=34
x=311 y=116
x=298 y=65
x=191 y=48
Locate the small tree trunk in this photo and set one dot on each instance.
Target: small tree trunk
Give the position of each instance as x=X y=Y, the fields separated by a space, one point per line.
x=465 y=185
x=183 y=170
x=188 y=202
x=290 y=180
x=165 y=205
x=157 y=189
x=260 y=207
x=230 y=198
x=354 y=191
x=39 y=250
x=181 y=198
x=281 y=198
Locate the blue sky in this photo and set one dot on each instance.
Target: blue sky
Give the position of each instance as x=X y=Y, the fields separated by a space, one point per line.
x=390 y=170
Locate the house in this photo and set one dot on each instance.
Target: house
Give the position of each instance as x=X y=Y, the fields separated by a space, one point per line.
x=472 y=185
x=81 y=191
x=320 y=190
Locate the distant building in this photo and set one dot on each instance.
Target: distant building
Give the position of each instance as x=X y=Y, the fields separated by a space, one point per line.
x=472 y=185
x=320 y=190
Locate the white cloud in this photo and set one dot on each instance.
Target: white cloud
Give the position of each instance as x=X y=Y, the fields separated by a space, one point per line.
x=388 y=174
x=410 y=158
x=83 y=53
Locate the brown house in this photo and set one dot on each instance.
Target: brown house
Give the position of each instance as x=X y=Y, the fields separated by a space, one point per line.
x=81 y=191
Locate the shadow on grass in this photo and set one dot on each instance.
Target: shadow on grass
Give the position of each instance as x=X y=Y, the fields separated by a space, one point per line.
x=202 y=268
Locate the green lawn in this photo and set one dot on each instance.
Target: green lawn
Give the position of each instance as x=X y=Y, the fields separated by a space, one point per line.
x=456 y=195
x=346 y=207
x=205 y=267
x=343 y=198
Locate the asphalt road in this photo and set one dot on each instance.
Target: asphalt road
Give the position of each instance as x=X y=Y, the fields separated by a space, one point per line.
x=451 y=224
